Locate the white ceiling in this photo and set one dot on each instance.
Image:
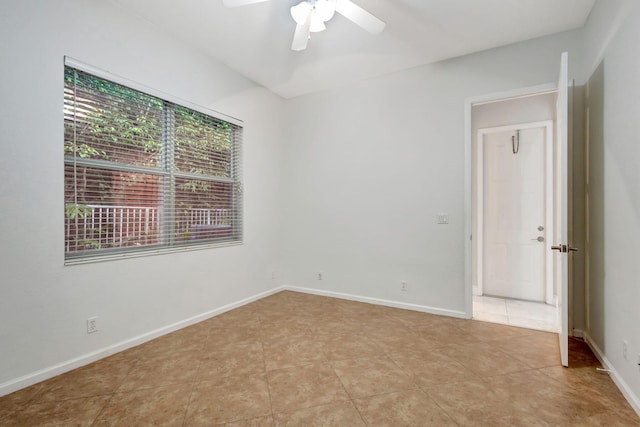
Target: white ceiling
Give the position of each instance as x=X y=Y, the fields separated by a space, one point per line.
x=255 y=39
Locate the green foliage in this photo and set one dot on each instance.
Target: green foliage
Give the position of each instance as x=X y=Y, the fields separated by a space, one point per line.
x=75 y=210
x=108 y=121
x=203 y=144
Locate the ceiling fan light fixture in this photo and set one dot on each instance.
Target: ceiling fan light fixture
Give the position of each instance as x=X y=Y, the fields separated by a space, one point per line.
x=301 y=11
x=310 y=17
x=325 y=9
x=317 y=24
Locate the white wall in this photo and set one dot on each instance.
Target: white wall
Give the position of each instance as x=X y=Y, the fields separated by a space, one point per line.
x=370 y=166
x=514 y=111
x=613 y=102
x=43 y=304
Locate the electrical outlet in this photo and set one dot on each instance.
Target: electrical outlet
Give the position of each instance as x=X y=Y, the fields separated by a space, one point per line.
x=320 y=275
x=92 y=325
x=403 y=286
x=638 y=362
x=625 y=350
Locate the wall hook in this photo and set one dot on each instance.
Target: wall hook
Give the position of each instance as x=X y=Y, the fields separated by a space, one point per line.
x=515 y=142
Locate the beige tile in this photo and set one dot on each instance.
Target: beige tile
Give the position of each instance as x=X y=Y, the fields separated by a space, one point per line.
x=242 y=317
x=70 y=412
x=327 y=328
x=522 y=392
x=405 y=408
x=470 y=402
x=164 y=406
x=241 y=359
x=283 y=317
x=537 y=350
x=254 y=422
x=516 y=420
x=340 y=414
x=485 y=359
x=228 y=400
x=393 y=338
x=305 y=386
x=340 y=347
x=290 y=351
x=447 y=333
x=588 y=381
x=174 y=368
x=534 y=324
x=414 y=318
x=228 y=338
x=608 y=419
x=18 y=400
x=430 y=369
x=370 y=376
x=184 y=340
x=566 y=407
x=273 y=332
x=100 y=378
x=380 y=327
x=485 y=331
x=483 y=316
x=582 y=379
x=489 y=305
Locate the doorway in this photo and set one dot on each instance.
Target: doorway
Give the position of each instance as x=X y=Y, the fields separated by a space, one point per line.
x=559 y=243
x=514 y=221
x=511 y=144
x=514 y=212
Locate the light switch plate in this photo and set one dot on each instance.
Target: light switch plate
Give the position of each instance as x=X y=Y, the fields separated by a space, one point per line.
x=443 y=218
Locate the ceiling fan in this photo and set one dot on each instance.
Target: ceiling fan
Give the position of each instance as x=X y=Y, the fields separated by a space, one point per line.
x=310 y=17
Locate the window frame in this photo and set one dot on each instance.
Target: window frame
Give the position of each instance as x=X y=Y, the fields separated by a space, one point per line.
x=170 y=174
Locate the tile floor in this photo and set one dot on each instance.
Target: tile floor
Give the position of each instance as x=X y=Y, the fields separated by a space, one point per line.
x=525 y=314
x=294 y=359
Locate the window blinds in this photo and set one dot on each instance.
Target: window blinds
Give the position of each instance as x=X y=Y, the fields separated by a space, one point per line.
x=145 y=174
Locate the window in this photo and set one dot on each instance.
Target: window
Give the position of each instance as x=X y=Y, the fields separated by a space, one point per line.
x=144 y=174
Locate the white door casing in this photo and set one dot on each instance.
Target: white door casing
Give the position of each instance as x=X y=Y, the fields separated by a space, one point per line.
x=561 y=236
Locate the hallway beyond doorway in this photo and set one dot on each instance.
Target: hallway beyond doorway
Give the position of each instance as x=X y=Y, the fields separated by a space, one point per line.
x=524 y=314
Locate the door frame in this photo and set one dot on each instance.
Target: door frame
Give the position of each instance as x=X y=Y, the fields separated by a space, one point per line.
x=478 y=218
x=469 y=167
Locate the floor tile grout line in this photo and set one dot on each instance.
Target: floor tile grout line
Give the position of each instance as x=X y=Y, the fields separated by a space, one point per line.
x=266 y=378
x=196 y=381
x=106 y=404
x=426 y=393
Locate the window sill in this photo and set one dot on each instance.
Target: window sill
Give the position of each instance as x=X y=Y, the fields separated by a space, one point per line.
x=112 y=256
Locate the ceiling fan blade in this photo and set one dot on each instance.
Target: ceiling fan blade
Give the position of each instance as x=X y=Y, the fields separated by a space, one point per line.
x=359 y=16
x=238 y=3
x=301 y=35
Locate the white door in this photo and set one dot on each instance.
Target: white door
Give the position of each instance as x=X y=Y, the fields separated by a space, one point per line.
x=515 y=213
x=561 y=238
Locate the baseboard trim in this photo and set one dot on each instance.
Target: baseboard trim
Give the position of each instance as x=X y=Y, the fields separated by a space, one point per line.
x=624 y=388
x=52 y=371
x=378 y=301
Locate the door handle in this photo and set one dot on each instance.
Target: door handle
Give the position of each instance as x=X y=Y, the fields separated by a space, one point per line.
x=564 y=248
x=539 y=239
